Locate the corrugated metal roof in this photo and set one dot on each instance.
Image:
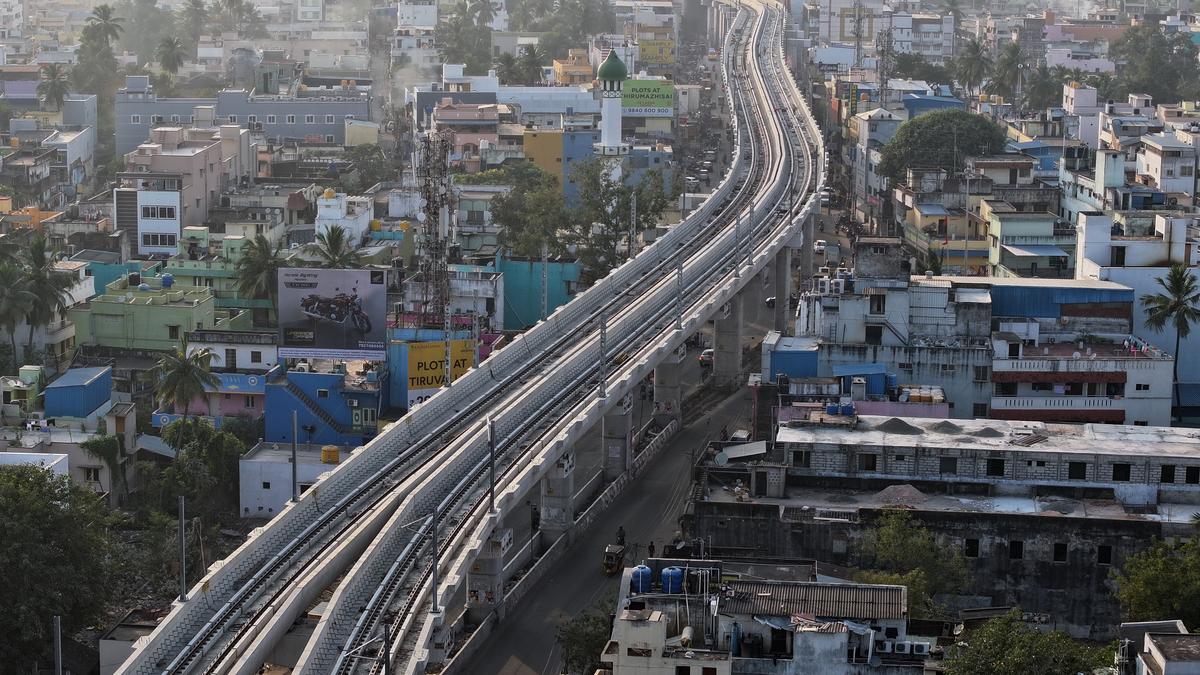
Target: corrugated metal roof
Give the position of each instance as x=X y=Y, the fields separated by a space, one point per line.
x=840 y=601
x=977 y=296
x=78 y=376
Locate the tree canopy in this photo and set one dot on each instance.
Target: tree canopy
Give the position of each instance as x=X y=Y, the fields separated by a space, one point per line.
x=942 y=139
x=900 y=551
x=56 y=560
x=1008 y=645
x=916 y=67
x=582 y=638
x=1163 y=66
x=1161 y=582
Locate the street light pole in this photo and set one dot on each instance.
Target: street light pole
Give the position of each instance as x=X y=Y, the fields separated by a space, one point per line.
x=433 y=566
x=182 y=552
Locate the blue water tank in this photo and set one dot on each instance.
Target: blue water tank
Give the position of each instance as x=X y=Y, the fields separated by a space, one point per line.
x=143 y=287
x=672 y=580
x=893 y=382
x=848 y=409
x=831 y=409
x=642 y=578
x=168 y=280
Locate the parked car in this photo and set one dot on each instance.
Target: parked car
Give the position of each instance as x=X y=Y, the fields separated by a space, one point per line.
x=819 y=247
x=706 y=357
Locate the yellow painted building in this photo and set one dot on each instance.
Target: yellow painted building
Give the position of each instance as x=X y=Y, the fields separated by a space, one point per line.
x=544 y=147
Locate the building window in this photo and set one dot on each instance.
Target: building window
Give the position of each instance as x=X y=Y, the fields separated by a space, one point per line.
x=91 y=474
x=329 y=138
x=979 y=410
x=158 y=212
x=349 y=117
x=867 y=462
x=947 y=367
x=971 y=548
x=175 y=119
x=291 y=119
x=255 y=357
x=270 y=119
x=1016 y=550
x=156 y=119
x=329 y=119
x=1192 y=475
x=1077 y=470
x=310 y=119
x=233 y=119
x=801 y=459
x=1060 y=552
x=135 y=119
x=322 y=393
x=982 y=373
x=878 y=304
x=948 y=465
x=1120 y=472
x=1104 y=554
x=905 y=366
x=1141 y=423
x=1142 y=387
x=248 y=402
x=266 y=485
x=1167 y=473
x=995 y=467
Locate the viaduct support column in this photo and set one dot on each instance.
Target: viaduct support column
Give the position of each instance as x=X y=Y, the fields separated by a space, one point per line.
x=727 y=343
x=616 y=439
x=485 y=579
x=668 y=388
x=558 y=499
x=782 y=272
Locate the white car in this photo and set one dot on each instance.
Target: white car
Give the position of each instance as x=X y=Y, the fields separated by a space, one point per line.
x=819 y=247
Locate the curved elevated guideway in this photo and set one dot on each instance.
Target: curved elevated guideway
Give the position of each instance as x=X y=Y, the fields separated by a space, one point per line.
x=395 y=528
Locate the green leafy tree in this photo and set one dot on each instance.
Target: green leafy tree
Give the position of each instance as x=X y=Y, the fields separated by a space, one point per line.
x=55 y=85
x=602 y=220
x=181 y=376
x=460 y=39
x=508 y=69
x=941 y=139
x=530 y=64
x=582 y=639
x=1163 y=66
x=914 y=66
x=50 y=286
x=258 y=269
x=973 y=65
x=15 y=300
x=1043 y=88
x=108 y=450
x=205 y=470
x=532 y=214
x=335 y=249
x=145 y=26
x=372 y=165
x=898 y=550
x=193 y=17
x=56 y=559
x=171 y=54
x=1177 y=305
x=1161 y=582
x=105 y=24
x=1008 y=645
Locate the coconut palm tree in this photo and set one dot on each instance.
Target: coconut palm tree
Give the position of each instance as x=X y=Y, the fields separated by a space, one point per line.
x=258 y=269
x=170 y=53
x=973 y=65
x=50 y=286
x=335 y=249
x=1008 y=71
x=507 y=69
x=1042 y=88
x=182 y=376
x=530 y=62
x=483 y=11
x=193 y=16
x=54 y=85
x=15 y=301
x=105 y=24
x=1178 y=305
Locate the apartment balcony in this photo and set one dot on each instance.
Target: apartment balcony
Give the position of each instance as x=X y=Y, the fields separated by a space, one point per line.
x=1059 y=408
x=59 y=331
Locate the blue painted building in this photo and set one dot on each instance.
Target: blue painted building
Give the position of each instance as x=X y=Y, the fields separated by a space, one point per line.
x=332 y=408
x=919 y=104
x=523 y=288
x=79 y=392
x=578 y=146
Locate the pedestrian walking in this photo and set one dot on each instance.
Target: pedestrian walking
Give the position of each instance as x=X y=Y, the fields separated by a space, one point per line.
x=650 y=549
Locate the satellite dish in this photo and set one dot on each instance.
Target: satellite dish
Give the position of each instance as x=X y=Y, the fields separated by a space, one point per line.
x=721 y=459
x=421 y=217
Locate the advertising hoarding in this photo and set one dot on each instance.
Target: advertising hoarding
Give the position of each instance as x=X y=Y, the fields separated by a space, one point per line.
x=427 y=366
x=648 y=98
x=656 y=52
x=332 y=314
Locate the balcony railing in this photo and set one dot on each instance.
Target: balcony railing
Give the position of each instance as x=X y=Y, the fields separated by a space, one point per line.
x=59 y=331
x=1061 y=402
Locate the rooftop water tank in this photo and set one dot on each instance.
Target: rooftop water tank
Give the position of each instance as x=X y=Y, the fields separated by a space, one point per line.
x=848 y=409
x=330 y=454
x=672 y=580
x=642 y=578
x=143 y=287
x=168 y=280
x=831 y=409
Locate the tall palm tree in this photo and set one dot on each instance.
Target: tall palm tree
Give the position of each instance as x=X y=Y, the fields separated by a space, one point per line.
x=335 y=249
x=50 y=286
x=973 y=65
x=1042 y=88
x=258 y=269
x=1008 y=71
x=54 y=85
x=532 y=58
x=105 y=24
x=1178 y=305
x=507 y=69
x=193 y=16
x=170 y=54
x=483 y=11
x=15 y=301
x=181 y=377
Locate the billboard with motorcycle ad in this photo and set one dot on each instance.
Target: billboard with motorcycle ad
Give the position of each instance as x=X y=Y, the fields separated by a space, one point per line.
x=332 y=314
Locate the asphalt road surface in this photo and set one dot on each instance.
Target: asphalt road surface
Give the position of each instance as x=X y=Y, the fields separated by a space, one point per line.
x=649 y=509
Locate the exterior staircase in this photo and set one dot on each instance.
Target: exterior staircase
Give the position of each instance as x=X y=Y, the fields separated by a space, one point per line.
x=315 y=408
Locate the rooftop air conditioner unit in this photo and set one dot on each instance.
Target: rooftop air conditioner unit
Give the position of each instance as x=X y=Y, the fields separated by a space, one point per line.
x=838 y=286
x=884 y=646
x=920 y=648
x=903 y=648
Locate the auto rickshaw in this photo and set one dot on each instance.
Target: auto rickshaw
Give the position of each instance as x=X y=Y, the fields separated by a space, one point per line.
x=614 y=559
